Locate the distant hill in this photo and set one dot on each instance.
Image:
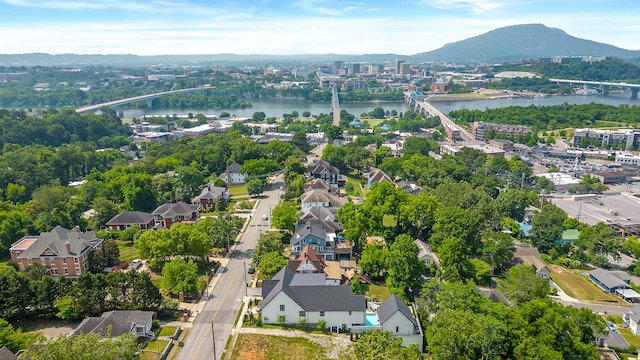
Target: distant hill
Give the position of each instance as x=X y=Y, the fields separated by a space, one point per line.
x=521 y=41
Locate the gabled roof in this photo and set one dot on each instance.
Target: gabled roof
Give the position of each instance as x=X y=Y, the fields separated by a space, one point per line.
x=120 y=321
x=131 y=217
x=307 y=261
x=607 y=279
x=391 y=306
x=319 y=228
x=322 y=196
x=211 y=192
x=425 y=250
x=313 y=297
x=233 y=168
x=321 y=166
x=316 y=183
x=173 y=209
x=56 y=240
x=378 y=175
x=319 y=213
x=531 y=256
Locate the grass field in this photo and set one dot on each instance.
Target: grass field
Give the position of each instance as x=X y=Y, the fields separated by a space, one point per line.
x=577 y=286
x=238 y=190
x=167 y=330
x=633 y=340
x=267 y=347
x=128 y=252
x=152 y=348
x=356 y=186
x=389 y=220
x=380 y=293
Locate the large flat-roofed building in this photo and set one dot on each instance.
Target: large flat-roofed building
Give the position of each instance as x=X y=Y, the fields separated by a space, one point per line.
x=620 y=212
x=483 y=130
x=630 y=138
x=453 y=133
x=560 y=181
x=487 y=149
x=627 y=159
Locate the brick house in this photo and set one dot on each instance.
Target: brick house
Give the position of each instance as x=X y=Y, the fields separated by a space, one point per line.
x=171 y=213
x=61 y=251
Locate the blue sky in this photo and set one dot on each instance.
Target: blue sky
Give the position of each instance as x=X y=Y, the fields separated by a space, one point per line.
x=405 y=27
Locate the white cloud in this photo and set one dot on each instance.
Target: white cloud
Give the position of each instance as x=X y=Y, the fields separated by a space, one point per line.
x=314 y=7
x=476 y=6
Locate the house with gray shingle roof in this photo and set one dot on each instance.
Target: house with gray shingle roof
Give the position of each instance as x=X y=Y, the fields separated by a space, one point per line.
x=376 y=176
x=321 y=169
x=607 y=280
x=232 y=175
x=323 y=236
x=317 y=197
x=128 y=219
x=287 y=300
x=118 y=322
x=209 y=196
x=61 y=251
x=632 y=319
x=396 y=317
x=171 y=213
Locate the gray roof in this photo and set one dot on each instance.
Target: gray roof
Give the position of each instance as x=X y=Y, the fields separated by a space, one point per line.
x=378 y=175
x=312 y=297
x=316 y=183
x=634 y=314
x=531 y=256
x=321 y=166
x=318 y=279
x=391 y=305
x=320 y=213
x=56 y=241
x=6 y=354
x=120 y=321
x=607 y=279
x=234 y=168
x=211 y=192
x=317 y=196
x=131 y=217
x=425 y=250
x=318 y=228
x=173 y=209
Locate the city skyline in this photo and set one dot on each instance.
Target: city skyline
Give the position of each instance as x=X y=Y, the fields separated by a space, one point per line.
x=404 y=27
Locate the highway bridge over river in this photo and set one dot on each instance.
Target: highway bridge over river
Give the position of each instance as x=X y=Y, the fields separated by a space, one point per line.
x=118 y=104
x=603 y=84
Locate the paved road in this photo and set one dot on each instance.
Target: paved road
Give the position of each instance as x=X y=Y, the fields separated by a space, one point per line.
x=230 y=289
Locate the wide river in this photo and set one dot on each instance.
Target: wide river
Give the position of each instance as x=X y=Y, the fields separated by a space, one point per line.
x=278 y=107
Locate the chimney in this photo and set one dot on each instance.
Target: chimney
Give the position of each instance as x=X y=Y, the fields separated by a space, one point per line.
x=68 y=245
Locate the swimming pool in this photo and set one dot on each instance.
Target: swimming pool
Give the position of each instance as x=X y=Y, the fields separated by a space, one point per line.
x=371 y=319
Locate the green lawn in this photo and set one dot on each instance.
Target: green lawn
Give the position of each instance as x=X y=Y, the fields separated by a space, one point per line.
x=167 y=330
x=128 y=252
x=238 y=190
x=577 y=286
x=152 y=349
x=356 y=186
x=633 y=340
x=266 y=347
x=380 y=293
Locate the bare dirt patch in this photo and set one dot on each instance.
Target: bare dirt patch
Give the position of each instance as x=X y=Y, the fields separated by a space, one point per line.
x=49 y=328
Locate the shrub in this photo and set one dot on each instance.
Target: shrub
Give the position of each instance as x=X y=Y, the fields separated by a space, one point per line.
x=302 y=322
x=322 y=325
x=282 y=318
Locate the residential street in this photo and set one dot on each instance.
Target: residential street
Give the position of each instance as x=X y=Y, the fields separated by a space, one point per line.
x=223 y=307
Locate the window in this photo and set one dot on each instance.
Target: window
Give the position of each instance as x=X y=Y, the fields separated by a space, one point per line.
x=64 y=261
x=302 y=313
x=66 y=271
x=321 y=313
x=397 y=329
x=54 y=271
x=77 y=271
x=281 y=307
x=75 y=260
x=349 y=312
x=29 y=261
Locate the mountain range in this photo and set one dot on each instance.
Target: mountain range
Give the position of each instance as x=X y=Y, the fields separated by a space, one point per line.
x=500 y=45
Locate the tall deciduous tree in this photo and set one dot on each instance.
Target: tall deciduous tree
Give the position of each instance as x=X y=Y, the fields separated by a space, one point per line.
x=86 y=347
x=180 y=276
x=270 y=264
x=547 y=227
x=285 y=215
x=405 y=269
x=521 y=284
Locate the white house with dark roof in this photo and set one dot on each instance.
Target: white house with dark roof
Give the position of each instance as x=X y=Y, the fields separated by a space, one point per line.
x=118 y=322
x=425 y=254
x=167 y=214
x=396 y=317
x=632 y=319
x=289 y=297
x=128 y=219
x=61 y=251
x=232 y=175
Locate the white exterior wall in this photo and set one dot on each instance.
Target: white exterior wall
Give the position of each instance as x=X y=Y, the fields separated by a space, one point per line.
x=633 y=326
x=271 y=311
x=405 y=329
x=337 y=318
x=237 y=178
x=306 y=205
